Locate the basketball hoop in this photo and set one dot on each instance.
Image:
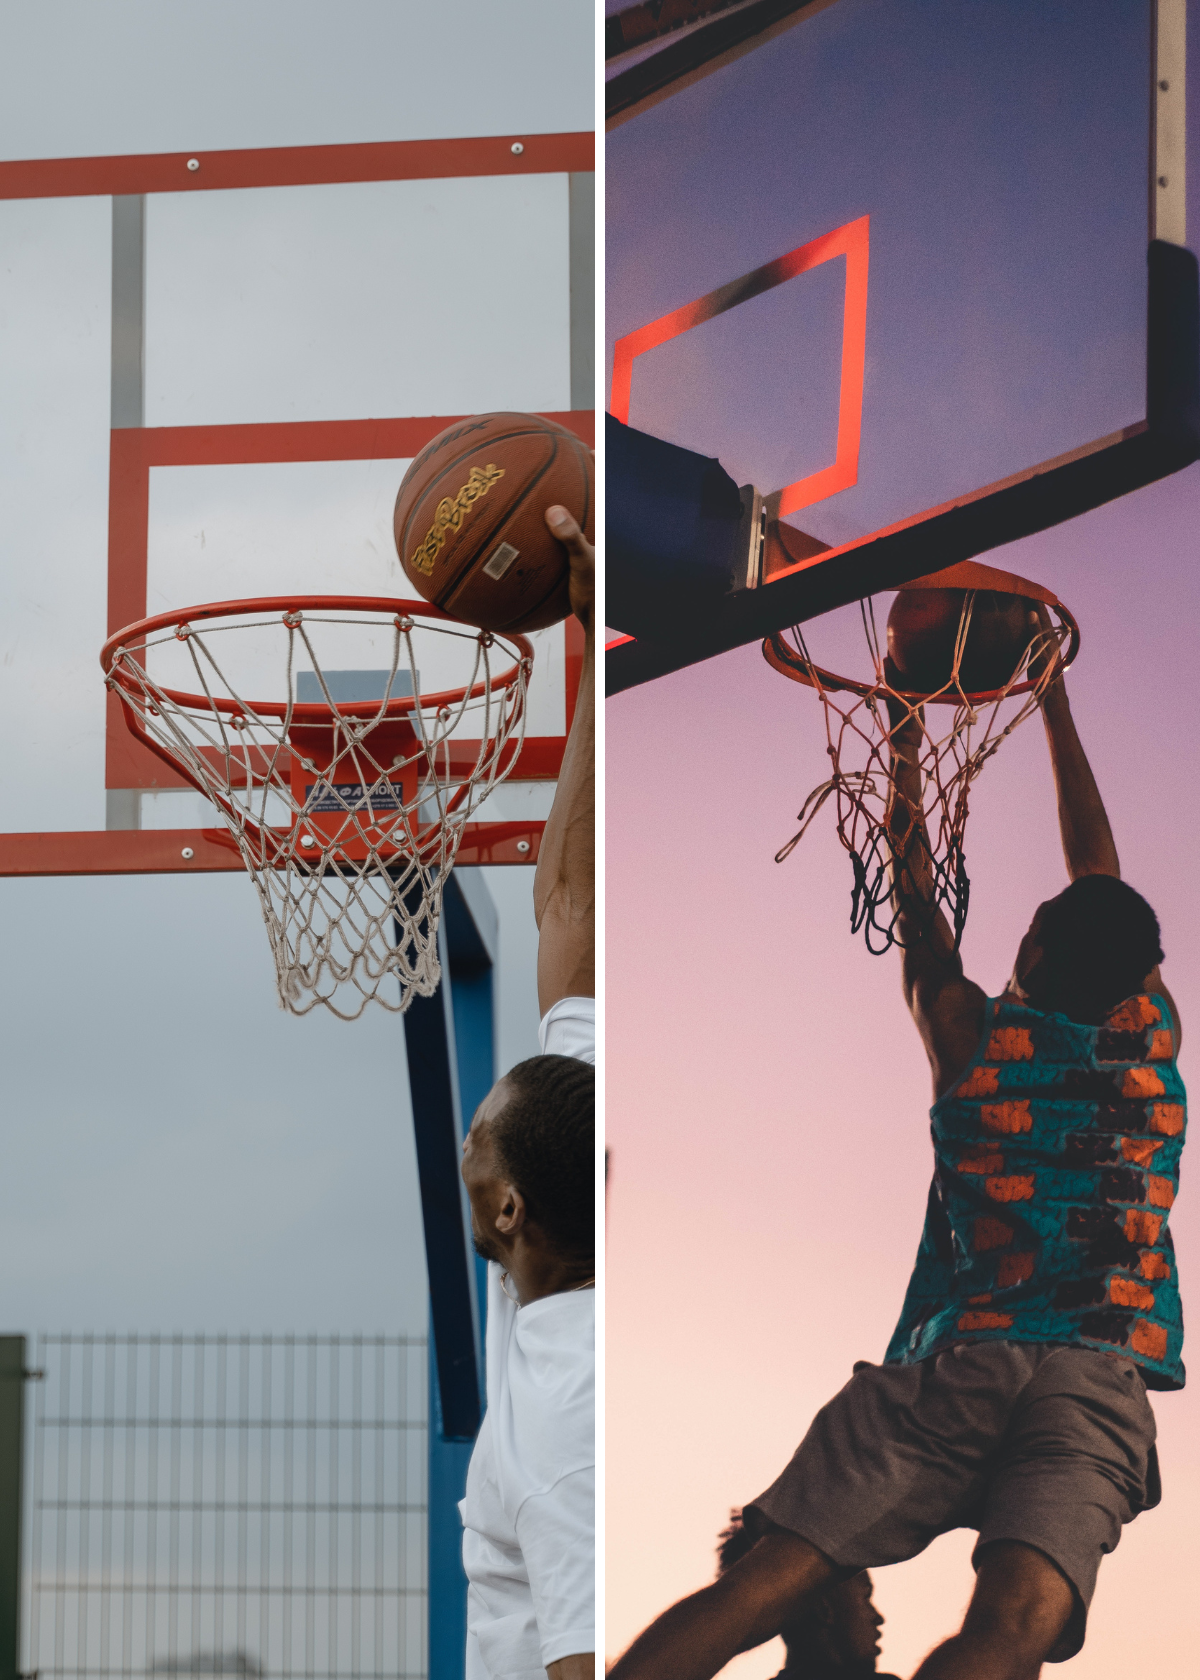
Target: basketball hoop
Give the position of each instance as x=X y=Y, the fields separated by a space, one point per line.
x=347 y=812
x=858 y=734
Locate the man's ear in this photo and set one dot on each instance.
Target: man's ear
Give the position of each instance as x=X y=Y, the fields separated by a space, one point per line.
x=511 y=1217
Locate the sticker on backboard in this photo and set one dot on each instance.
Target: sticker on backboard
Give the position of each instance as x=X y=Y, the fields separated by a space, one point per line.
x=348 y=797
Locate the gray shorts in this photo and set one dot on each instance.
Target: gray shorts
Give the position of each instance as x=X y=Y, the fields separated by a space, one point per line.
x=1048 y=1445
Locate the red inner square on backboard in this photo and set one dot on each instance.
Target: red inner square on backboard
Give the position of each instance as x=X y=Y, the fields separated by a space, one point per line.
x=135 y=451
x=851 y=241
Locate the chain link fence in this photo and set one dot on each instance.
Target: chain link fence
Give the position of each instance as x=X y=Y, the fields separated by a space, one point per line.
x=227 y=1506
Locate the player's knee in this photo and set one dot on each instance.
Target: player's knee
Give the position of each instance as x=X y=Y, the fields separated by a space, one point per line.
x=1021 y=1605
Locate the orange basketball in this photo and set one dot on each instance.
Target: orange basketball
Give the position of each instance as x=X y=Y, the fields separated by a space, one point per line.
x=470 y=527
x=922 y=628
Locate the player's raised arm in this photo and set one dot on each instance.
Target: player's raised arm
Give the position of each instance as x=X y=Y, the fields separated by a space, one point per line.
x=921 y=927
x=564 y=887
x=946 y=1006
x=1087 y=839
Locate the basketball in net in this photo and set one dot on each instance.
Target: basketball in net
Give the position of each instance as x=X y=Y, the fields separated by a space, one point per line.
x=345 y=742
x=969 y=652
x=470 y=519
x=922 y=635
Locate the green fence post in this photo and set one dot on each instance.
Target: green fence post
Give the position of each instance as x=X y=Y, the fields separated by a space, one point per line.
x=12 y=1421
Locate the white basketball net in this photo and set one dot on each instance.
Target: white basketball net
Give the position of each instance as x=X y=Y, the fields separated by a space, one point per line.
x=349 y=828
x=958 y=734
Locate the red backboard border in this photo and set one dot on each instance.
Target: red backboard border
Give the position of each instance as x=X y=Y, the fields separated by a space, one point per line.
x=852 y=241
x=135 y=450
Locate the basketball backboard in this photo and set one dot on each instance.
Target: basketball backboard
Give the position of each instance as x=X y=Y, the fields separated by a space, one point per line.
x=915 y=271
x=219 y=366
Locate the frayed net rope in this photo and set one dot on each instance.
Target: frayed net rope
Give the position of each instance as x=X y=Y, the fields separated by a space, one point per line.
x=857 y=732
x=352 y=899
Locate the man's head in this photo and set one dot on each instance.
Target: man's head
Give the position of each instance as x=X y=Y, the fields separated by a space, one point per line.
x=834 y=1631
x=529 y=1163
x=1088 y=949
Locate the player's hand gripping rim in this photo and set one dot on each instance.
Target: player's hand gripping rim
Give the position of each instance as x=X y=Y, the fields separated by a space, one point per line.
x=582 y=558
x=1047 y=657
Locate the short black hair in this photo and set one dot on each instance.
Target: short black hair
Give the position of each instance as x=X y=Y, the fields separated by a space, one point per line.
x=1100 y=939
x=734 y=1542
x=545 y=1138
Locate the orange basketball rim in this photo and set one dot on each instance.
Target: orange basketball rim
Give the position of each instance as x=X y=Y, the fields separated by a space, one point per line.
x=968 y=574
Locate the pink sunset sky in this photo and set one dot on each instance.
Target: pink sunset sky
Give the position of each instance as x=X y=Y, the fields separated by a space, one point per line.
x=767 y=1094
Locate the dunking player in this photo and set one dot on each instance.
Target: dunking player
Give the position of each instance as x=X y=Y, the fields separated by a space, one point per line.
x=529 y=1546
x=1012 y=1398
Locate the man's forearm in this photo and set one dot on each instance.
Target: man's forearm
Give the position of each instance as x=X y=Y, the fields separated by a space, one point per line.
x=1087 y=840
x=564 y=887
x=906 y=817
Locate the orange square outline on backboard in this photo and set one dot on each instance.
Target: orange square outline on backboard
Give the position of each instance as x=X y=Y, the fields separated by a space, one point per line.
x=851 y=241
x=134 y=451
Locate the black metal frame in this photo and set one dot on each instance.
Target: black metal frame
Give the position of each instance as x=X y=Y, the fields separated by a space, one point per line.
x=653 y=75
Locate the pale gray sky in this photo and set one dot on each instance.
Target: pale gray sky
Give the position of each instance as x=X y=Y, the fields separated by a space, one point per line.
x=181 y=1154
x=90 y=78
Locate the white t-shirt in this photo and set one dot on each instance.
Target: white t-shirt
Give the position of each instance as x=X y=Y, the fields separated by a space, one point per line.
x=569 y=1029
x=529 y=1515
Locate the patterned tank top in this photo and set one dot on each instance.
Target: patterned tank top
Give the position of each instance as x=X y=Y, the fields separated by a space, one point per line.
x=1056 y=1164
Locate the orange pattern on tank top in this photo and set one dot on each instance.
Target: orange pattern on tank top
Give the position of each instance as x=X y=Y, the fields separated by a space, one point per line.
x=1149 y=1340
x=1141 y=1082
x=1010 y=1044
x=1013 y=1269
x=1135 y=1014
x=1018 y=1188
x=985 y=1321
x=1140 y=1150
x=1142 y=1227
x=982 y=1164
x=1028 y=1109
x=1010 y=1117
x=1123 y=1292
x=980 y=1082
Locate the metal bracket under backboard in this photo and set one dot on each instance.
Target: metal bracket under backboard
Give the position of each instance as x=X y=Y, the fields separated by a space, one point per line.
x=752 y=534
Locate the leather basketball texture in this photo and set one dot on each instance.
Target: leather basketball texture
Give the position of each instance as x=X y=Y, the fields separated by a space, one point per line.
x=922 y=628
x=470 y=527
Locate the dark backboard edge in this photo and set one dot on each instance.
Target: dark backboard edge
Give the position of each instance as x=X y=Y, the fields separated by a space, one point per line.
x=1169 y=441
x=630 y=88
x=639 y=25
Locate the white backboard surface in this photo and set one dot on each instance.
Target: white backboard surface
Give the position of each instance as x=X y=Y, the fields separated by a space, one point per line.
x=278 y=306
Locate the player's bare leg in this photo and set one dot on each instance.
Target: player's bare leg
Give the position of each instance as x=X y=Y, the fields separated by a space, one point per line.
x=746 y=1606
x=1018 y=1611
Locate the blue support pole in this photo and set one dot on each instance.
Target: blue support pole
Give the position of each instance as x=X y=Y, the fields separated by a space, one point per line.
x=451 y=1044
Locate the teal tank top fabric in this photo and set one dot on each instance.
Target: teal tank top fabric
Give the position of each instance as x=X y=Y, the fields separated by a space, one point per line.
x=1056 y=1165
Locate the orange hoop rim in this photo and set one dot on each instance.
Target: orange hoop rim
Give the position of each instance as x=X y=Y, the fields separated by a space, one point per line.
x=310 y=712
x=969 y=574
